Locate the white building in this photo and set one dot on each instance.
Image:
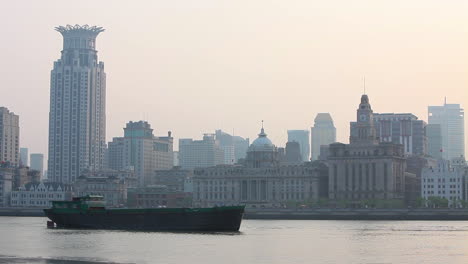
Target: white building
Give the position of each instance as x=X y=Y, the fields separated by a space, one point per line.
x=9 y=137
x=451 y=119
x=446 y=181
x=40 y=195
x=77 y=116
x=323 y=133
x=200 y=153
x=141 y=150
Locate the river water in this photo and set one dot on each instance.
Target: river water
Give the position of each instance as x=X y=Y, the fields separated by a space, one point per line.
x=27 y=240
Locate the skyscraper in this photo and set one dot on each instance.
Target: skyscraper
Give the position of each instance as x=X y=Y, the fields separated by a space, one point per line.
x=434 y=140
x=323 y=133
x=200 y=153
x=451 y=119
x=234 y=147
x=301 y=137
x=77 y=118
x=37 y=162
x=24 y=157
x=9 y=137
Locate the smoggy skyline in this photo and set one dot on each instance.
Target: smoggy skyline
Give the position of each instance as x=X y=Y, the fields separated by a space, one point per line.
x=193 y=67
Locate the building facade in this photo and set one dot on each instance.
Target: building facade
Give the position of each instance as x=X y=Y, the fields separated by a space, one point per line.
x=434 y=140
x=451 y=119
x=111 y=184
x=444 y=180
x=6 y=185
x=157 y=196
x=77 y=117
x=366 y=168
x=24 y=157
x=9 y=137
x=323 y=133
x=261 y=182
x=37 y=162
x=200 y=153
x=40 y=194
x=141 y=150
x=303 y=138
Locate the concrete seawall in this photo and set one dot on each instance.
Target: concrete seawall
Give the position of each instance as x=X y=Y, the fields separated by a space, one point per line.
x=21 y=212
x=359 y=214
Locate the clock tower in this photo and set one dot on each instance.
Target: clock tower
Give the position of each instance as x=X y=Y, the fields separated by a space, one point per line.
x=364 y=130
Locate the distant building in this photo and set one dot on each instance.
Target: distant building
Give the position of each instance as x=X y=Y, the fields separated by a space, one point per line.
x=293 y=152
x=200 y=153
x=111 y=184
x=24 y=175
x=141 y=150
x=176 y=159
x=403 y=129
x=366 y=168
x=262 y=181
x=37 y=162
x=323 y=133
x=24 y=157
x=6 y=185
x=155 y=196
x=176 y=179
x=434 y=140
x=302 y=137
x=234 y=147
x=444 y=181
x=77 y=116
x=40 y=194
x=9 y=137
x=451 y=119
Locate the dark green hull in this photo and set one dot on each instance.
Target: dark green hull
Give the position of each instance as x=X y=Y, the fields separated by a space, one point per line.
x=227 y=218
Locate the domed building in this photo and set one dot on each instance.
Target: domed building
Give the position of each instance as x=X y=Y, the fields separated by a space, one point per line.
x=262 y=153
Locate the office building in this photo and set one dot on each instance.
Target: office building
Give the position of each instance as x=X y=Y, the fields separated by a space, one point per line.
x=434 y=140
x=323 y=133
x=9 y=137
x=451 y=119
x=24 y=157
x=301 y=137
x=200 y=153
x=140 y=150
x=37 y=162
x=403 y=129
x=77 y=117
x=234 y=147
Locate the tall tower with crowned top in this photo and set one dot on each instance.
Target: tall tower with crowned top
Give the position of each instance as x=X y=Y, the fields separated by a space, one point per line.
x=364 y=132
x=77 y=117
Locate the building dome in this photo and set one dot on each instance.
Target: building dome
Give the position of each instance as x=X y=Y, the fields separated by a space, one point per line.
x=262 y=143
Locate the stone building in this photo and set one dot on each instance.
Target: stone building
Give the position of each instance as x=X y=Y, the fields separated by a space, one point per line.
x=40 y=194
x=366 y=168
x=111 y=184
x=262 y=181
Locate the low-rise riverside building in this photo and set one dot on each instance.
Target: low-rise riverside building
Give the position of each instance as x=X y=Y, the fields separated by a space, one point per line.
x=40 y=194
x=445 y=181
x=175 y=179
x=111 y=184
x=261 y=182
x=156 y=196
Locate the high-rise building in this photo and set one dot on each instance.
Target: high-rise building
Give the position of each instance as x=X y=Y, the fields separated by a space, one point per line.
x=77 y=117
x=434 y=140
x=301 y=137
x=37 y=162
x=24 y=157
x=9 y=137
x=403 y=129
x=323 y=133
x=293 y=152
x=451 y=119
x=141 y=150
x=200 y=153
x=234 y=147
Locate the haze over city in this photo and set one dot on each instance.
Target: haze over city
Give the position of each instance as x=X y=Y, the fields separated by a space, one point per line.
x=196 y=66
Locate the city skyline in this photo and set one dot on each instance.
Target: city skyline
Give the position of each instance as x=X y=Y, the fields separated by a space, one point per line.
x=306 y=87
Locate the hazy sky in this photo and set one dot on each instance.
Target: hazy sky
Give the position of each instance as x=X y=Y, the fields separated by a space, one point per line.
x=195 y=66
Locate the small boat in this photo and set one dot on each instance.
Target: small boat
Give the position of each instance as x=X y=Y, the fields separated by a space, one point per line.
x=90 y=212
